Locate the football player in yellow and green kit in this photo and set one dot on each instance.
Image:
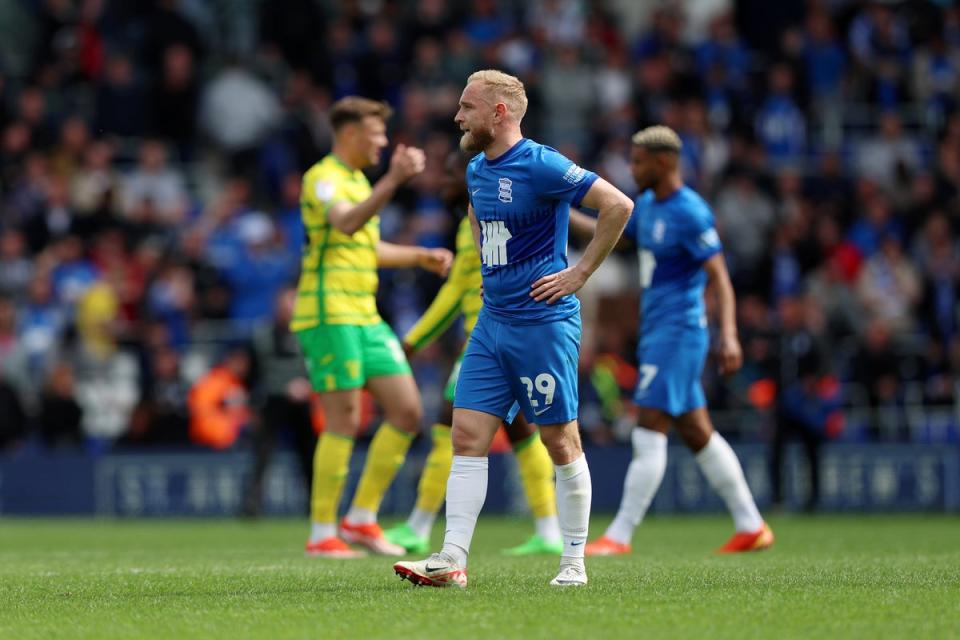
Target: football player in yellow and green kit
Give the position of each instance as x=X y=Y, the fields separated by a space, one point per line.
x=461 y=295
x=347 y=346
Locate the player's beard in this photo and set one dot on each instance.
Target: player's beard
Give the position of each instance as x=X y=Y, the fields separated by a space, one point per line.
x=476 y=140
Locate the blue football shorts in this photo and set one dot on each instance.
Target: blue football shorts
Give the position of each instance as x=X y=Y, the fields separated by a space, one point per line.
x=534 y=365
x=670 y=366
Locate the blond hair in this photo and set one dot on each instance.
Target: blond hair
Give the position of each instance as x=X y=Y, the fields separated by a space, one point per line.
x=658 y=138
x=503 y=87
x=354 y=109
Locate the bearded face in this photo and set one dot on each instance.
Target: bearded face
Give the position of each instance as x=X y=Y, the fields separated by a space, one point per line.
x=475 y=118
x=476 y=140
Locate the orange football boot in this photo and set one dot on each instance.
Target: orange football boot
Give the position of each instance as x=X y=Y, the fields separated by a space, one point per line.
x=604 y=546
x=332 y=547
x=741 y=541
x=370 y=536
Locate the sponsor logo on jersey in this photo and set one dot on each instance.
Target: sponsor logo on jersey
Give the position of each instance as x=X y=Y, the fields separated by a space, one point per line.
x=574 y=174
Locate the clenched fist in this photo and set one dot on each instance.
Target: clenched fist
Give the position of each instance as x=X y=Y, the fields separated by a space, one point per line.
x=406 y=162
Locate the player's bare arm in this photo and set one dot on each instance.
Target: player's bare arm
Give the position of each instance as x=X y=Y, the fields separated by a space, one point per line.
x=729 y=353
x=405 y=163
x=614 y=210
x=584 y=226
x=399 y=256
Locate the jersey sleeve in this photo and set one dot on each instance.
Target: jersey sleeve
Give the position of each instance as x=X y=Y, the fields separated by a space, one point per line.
x=559 y=178
x=321 y=190
x=700 y=239
x=470 y=176
x=443 y=310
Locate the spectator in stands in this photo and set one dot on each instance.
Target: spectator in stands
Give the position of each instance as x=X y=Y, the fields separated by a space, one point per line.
x=42 y=325
x=889 y=287
x=95 y=189
x=73 y=272
x=66 y=158
x=876 y=366
x=161 y=415
x=170 y=300
x=891 y=157
x=16 y=269
x=60 y=416
x=176 y=99
x=122 y=104
x=40 y=203
x=824 y=60
x=876 y=222
x=723 y=48
x=261 y=266
x=155 y=194
x=32 y=112
x=880 y=42
x=780 y=124
x=107 y=387
x=831 y=281
x=745 y=219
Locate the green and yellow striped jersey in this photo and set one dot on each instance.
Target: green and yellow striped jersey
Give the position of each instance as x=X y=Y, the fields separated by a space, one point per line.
x=338 y=275
x=459 y=294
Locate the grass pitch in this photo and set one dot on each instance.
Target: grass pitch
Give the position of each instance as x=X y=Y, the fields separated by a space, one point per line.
x=845 y=577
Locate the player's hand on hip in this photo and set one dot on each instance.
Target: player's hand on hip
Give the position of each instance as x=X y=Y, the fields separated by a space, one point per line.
x=729 y=355
x=437 y=261
x=407 y=162
x=556 y=285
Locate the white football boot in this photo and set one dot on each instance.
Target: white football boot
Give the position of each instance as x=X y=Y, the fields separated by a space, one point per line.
x=439 y=570
x=570 y=575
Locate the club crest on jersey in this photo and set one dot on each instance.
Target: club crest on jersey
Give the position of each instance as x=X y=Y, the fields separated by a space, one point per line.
x=506 y=190
x=659 y=228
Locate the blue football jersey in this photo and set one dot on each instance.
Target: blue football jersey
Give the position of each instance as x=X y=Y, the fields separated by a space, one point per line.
x=522 y=202
x=674 y=237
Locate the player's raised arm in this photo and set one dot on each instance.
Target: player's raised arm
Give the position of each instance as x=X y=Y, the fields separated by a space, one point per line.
x=614 y=210
x=718 y=281
x=405 y=163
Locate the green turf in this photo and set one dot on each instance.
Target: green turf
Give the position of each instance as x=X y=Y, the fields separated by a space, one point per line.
x=841 y=577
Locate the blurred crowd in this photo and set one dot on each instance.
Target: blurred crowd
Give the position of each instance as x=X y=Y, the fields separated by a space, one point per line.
x=151 y=154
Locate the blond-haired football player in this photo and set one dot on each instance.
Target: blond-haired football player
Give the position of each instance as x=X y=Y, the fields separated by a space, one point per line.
x=347 y=346
x=460 y=295
x=525 y=346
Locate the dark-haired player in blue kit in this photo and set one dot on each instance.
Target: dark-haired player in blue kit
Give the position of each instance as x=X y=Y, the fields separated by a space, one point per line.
x=680 y=254
x=526 y=343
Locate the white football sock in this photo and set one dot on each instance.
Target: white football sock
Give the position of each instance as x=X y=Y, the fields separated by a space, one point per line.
x=421 y=522
x=548 y=528
x=322 y=530
x=574 y=493
x=644 y=476
x=466 y=491
x=356 y=515
x=722 y=468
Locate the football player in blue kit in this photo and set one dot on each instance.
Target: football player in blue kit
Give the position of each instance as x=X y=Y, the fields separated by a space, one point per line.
x=680 y=254
x=526 y=343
